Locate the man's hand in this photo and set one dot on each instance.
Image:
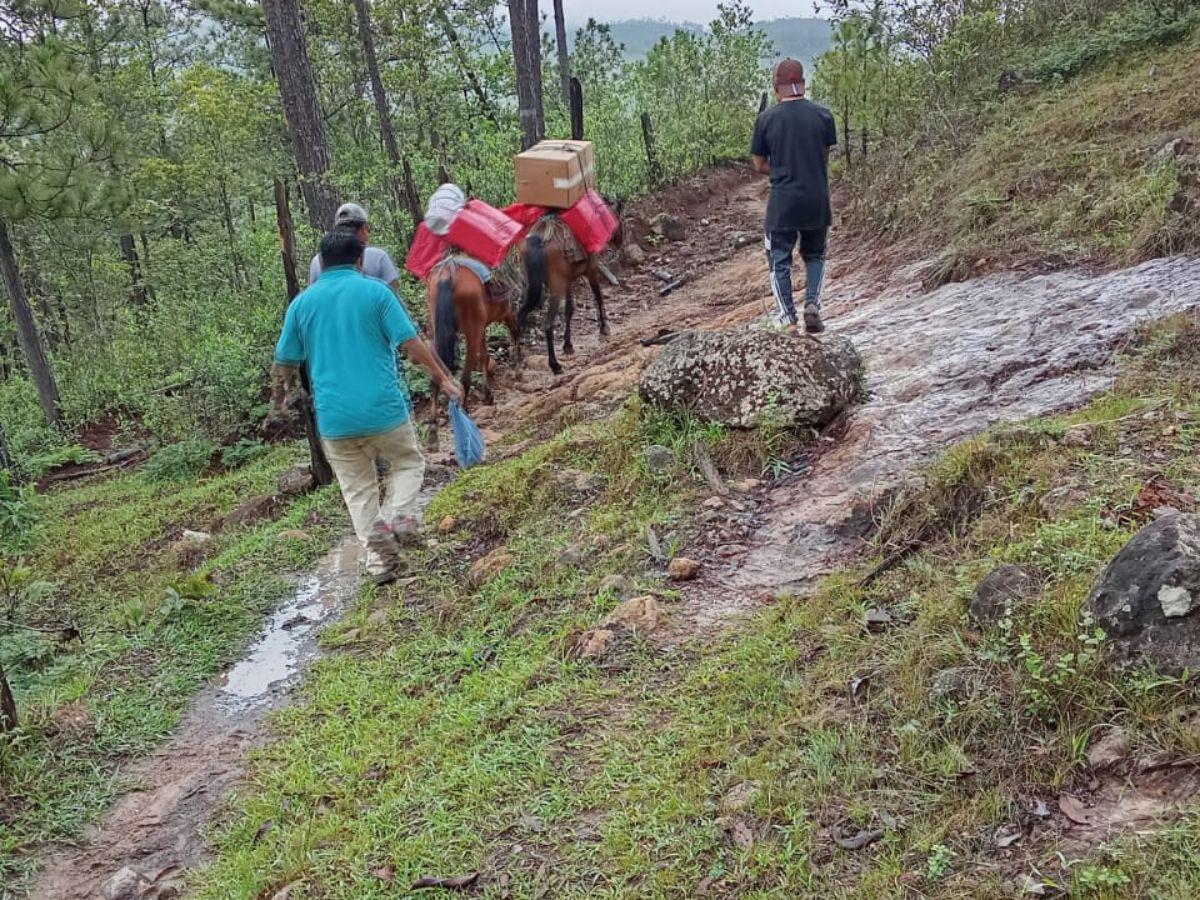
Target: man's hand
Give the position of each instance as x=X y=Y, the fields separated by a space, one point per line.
x=762 y=164
x=452 y=389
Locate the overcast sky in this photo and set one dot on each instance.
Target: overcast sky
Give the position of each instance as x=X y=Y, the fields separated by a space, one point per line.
x=678 y=10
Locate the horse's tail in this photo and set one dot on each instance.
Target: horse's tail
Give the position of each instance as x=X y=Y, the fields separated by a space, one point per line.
x=535 y=278
x=446 y=323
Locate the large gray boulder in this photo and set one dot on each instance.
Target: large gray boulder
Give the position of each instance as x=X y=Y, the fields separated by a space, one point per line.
x=735 y=377
x=1148 y=599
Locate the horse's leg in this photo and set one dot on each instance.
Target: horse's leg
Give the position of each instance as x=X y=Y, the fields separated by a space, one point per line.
x=568 y=315
x=551 y=315
x=483 y=361
x=469 y=365
x=593 y=277
x=514 y=337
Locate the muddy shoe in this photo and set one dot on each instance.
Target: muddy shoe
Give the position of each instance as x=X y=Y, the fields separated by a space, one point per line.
x=812 y=321
x=406 y=531
x=384 y=545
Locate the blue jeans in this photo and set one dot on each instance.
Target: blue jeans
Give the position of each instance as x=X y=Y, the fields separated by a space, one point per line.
x=780 y=245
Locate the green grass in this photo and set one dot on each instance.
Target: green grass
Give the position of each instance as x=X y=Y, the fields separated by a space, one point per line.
x=1067 y=173
x=454 y=731
x=108 y=548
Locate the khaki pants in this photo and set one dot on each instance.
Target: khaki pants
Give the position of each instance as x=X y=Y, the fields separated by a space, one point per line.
x=353 y=461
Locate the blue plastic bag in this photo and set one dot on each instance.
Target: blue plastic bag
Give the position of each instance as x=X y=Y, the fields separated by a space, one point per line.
x=468 y=440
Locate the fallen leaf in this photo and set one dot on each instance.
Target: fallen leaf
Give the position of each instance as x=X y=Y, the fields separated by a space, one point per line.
x=456 y=883
x=1039 y=808
x=858 y=683
x=743 y=837
x=286 y=891
x=703 y=887
x=1008 y=836
x=385 y=873
x=1074 y=810
x=1031 y=885
x=857 y=841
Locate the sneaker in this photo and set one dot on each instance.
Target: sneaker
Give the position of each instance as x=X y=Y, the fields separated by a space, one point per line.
x=384 y=545
x=812 y=321
x=407 y=531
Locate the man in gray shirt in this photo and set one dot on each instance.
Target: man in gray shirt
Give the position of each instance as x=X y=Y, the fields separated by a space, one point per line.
x=376 y=262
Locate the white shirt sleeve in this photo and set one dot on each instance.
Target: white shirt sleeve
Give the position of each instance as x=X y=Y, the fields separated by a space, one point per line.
x=314 y=269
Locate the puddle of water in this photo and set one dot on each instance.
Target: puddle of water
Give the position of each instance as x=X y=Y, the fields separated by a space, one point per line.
x=287 y=639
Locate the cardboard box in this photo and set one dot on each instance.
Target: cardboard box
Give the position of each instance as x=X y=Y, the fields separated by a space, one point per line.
x=556 y=174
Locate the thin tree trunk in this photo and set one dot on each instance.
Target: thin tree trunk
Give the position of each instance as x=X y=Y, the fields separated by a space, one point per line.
x=322 y=471
x=525 y=96
x=464 y=63
x=576 y=109
x=654 y=165
x=27 y=330
x=377 y=90
x=138 y=295
x=8 y=704
x=235 y=258
x=564 y=59
x=6 y=460
x=533 y=47
x=846 y=132
x=411 y=197
x=298 y=93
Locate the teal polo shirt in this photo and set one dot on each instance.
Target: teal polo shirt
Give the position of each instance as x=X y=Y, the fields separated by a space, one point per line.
x=346 y=329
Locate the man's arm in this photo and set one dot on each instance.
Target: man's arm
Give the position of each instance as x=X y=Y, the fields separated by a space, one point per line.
x=762 y=164
x=285 y=382
x=420 y=354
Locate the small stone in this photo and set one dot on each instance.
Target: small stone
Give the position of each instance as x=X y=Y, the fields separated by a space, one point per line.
x=1110 y=748
x=634 y=255
x=878 y=618
x=959 y=684
x=641 y=614
x=618 y=586
x=739 y=797
x=293 y=534
x=377 y=617
x=595 y=643
x=447 y=525
x=682 y=569
x=488 y=567
x=659 y=459
x=713 y=503
x=999 y=592
x=295 y=481
x=669 y=227
x=1081 y=436
x=127 y=884
x=197 y=537
x=571 y=557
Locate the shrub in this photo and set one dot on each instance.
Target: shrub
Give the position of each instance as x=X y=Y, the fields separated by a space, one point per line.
x=179 y=462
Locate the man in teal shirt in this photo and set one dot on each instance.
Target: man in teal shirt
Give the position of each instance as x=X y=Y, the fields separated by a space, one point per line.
x=346 y=328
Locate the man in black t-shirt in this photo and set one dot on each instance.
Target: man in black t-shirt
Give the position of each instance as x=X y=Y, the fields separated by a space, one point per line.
x=791 y=144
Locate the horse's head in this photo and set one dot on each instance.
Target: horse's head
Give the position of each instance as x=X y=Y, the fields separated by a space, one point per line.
x=618 y=207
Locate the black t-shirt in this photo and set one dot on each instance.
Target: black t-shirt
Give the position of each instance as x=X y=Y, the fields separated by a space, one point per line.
x=796 y=136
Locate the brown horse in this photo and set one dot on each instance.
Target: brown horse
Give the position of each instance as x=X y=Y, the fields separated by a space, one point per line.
x=460 y=301
x=549 y=268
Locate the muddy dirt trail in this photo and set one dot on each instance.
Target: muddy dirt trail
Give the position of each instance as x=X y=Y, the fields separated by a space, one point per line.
x=942 y=365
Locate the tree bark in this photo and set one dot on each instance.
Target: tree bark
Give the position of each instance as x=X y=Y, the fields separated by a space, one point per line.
x=576 y=109
x=6 y=460
x=8 y=704
x=138 y=295
x=322 y=471
x=533 y=46
x=526 y=97
x=377 y=90
x=564 y=59
x=27 y=330
x=298 y=93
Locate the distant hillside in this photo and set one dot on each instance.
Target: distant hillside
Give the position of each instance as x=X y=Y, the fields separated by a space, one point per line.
x=803 y=38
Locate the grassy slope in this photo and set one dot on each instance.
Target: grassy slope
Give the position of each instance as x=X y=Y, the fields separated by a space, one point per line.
x=455 y=732
x=108 y=547
x=1065 y=173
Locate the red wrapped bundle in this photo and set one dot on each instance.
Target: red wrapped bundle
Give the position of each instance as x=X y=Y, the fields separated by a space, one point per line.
x=484 y=232
x=426 y=252
x=592 y=222
x=525 y=213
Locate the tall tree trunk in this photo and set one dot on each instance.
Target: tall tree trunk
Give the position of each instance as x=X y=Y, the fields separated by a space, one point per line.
x=27 y=330
x=235 y=258
x=322 y=471
x=525 y=94
x=564 y=60
x=533 y=46
x=138 y=295
x=377 y=90
x=8 y=704
x=298 y=93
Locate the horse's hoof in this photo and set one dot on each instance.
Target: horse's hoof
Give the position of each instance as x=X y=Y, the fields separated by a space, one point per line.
x=604 y=332
x=557 y=370
x=568 y=349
